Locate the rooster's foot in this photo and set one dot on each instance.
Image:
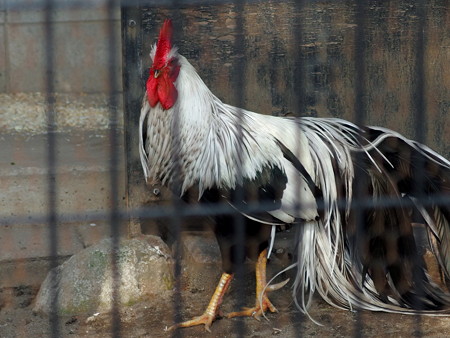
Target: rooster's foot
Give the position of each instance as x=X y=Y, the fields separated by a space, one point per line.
x=257 y=311
x=205 y=319
x=212 y=311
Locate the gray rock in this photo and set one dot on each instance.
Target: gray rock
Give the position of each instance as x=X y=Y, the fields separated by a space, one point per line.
x=84 y=283
x=201 y=261
x=200 y=247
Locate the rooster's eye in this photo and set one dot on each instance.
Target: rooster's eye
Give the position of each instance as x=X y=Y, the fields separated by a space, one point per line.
x=156 y=73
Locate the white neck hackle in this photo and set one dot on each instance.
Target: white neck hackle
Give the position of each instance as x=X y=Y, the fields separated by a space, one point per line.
x=210 y=141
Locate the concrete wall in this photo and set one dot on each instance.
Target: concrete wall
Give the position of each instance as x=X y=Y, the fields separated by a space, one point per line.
x=81 y=48
x=82 y=73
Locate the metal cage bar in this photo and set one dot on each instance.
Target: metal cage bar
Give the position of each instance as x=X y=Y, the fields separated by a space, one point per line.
x=51 y=163
x=114 y=218
x=138 y=209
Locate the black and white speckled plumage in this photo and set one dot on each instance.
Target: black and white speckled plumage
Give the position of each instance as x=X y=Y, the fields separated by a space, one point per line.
x=202 y=142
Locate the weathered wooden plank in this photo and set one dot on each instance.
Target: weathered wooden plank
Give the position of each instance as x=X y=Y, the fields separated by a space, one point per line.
x=273 y=51
x=327 y=50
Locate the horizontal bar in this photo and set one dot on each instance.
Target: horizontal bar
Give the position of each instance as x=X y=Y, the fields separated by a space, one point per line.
x=189 y=210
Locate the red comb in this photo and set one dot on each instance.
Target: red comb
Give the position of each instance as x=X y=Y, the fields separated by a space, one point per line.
x=164 y=44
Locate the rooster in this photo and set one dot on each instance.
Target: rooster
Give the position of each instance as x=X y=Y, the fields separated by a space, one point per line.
x=312 y=173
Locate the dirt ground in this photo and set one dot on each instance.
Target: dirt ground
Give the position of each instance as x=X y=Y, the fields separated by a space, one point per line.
x=150 y=318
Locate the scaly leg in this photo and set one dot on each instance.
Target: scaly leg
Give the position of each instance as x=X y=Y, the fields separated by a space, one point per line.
x=212 y=310
x=262 y=301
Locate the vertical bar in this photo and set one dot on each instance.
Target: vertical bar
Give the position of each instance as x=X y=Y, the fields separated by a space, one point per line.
x=360 y=118
x=176 y=202
x=299 y=66
x=114 y=217
x=360 y=71
x=300 y=108
x=419 y=106
x=420 y=125
x=51 y=165
x=176 y=223
x=238 y=220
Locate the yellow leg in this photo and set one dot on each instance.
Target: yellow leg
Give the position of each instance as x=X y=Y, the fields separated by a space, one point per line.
x=262 y=301
x=212 y=310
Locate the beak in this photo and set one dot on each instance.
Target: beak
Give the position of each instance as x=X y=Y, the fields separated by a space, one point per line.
x=156 y=73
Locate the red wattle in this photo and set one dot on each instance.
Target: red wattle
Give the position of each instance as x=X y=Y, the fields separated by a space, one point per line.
x=152 y=85
x=167 y=92
x=161 y=90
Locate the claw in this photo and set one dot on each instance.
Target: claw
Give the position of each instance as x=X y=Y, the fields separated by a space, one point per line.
x=273 y=287
x=263 y=303
x=255 y=312
x=205 y=319
x=212 y=311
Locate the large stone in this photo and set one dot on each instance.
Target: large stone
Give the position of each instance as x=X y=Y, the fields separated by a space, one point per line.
x=200 y=247
x=85 y=283
x=201 y=261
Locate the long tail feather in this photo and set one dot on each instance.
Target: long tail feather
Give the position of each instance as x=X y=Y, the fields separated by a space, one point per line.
x=372 y=262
